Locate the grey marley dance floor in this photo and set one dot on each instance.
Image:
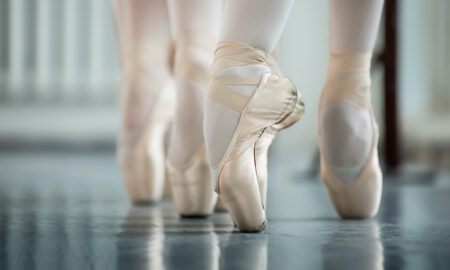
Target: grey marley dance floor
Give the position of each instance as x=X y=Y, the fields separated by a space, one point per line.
x=68 y=211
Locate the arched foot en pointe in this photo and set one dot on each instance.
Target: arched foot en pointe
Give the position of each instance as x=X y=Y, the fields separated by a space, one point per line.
x=349 y=82
x=241 y=177
x=190 y=183
x=141 y=152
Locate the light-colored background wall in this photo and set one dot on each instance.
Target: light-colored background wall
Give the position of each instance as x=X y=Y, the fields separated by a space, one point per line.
x=59 y=73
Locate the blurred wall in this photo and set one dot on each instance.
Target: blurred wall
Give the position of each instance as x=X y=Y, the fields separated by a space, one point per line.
x=59 y=73
x=57 y=51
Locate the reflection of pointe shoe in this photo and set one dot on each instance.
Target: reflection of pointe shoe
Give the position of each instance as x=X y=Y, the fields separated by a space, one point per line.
x=236 y=252
x=190 y=183
x=275 y=105
x=141 y=151
x=359 y=244
x=359 y=198
x=198 y=248
x=148 y=224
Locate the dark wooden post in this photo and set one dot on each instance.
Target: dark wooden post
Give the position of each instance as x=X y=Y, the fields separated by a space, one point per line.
x=392 y=148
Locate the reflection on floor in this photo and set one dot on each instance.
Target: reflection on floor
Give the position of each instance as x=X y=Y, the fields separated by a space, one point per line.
x=68 y=211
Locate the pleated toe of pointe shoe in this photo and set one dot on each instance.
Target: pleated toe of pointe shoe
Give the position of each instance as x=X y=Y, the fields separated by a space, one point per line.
x=191 y=186
x=360 y=198
x=242 y=173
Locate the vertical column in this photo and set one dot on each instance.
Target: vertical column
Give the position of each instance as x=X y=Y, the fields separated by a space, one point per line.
x=29 y=35
x=96 y=50
x=4 y=49
x=75 y=57
x=392 y=156
x=111 y=60
x=83 y=36
x=17 y=48
x=446 y=24
x=43 y=63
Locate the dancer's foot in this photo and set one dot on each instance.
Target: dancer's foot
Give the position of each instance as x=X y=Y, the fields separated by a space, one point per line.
x=247 y=106
x=348 y=137
x=147 y=99
x=187 y=165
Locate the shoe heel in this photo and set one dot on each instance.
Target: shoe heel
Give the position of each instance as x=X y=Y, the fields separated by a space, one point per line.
x=296 y=114
x=143 y=170
x=191 y=187
x=239 y=191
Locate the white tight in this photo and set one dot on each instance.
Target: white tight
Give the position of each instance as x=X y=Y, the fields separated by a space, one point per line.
x=353 y=27
x=191 y=17
x=141 y=20
x=141 y=25
x=201 y=16
x=347 y=131
x=259 y=23
x=353 y=24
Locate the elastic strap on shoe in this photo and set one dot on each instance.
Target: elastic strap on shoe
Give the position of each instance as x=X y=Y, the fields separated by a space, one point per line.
x=231 y=54
x=186 y=66
x=348 y=79
x=134 y=62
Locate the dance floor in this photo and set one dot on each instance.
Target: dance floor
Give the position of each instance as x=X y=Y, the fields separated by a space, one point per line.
x=63 y=210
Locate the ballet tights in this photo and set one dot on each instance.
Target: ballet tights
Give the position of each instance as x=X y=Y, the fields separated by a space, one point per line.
x=144 y=43
x=200 y=19
x=258 y=23
x=347 y=133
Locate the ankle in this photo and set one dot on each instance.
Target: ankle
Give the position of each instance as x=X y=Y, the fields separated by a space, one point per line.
x=348 y=79
x=194 y=54
x=147 y=58
x=247 y=71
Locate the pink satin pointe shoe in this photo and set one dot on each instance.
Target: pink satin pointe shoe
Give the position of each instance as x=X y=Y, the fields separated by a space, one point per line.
x=141 y=151
x=190 y=183
x=359 y=198
x=241 y=180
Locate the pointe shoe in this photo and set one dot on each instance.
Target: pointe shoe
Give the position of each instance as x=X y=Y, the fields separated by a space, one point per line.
x=272 y=62
x=141 y=152
x=190 y=184
x=360 y=198
x=242 y=172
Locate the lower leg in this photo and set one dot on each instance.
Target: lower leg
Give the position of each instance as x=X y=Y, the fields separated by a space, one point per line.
x=142 y=21
x=195 y=28
x=346 y=127
x=353 y=24
x=258 y=24
x=144 y=44
x=247 y=104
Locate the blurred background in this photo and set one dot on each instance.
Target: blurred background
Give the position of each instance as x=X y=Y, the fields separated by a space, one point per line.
x=62 y=203
x=59 y=76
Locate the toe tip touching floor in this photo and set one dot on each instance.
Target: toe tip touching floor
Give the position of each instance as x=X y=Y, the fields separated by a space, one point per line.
x=144 y=203
x=194 y=216
x=257 y=230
